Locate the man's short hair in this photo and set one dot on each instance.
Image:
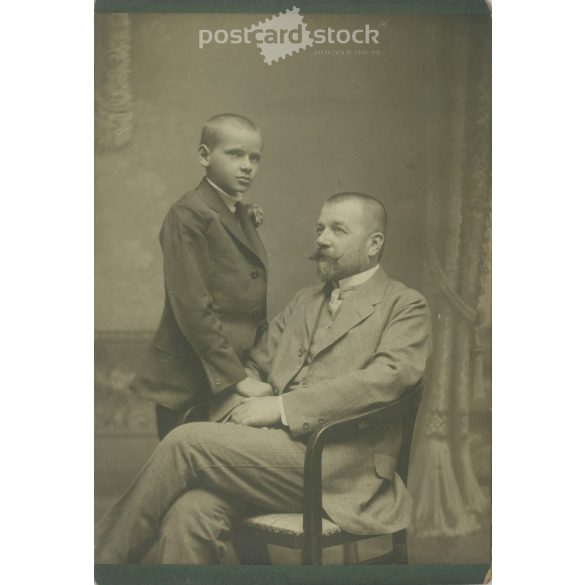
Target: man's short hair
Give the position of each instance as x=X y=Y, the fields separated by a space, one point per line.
x=212 y=129
x=374 y=210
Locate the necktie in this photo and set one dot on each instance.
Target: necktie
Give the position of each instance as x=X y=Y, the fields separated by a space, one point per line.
x=334 y=301
x=240 y=211
x=338 y=295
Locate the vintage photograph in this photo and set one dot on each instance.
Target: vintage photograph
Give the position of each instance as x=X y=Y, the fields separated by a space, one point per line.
x=293 y=287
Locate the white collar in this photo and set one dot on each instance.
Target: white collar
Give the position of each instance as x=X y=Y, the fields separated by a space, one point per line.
x=357 y=279
x=229 y=200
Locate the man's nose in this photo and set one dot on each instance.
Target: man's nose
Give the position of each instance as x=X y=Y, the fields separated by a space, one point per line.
x=246 y=164
x=323 y=240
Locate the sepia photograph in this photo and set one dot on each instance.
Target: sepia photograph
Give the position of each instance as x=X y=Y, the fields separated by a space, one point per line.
x=293 y=301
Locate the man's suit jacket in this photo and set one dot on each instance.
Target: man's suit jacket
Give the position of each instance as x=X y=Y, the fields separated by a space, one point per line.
x=377 y=347
x=215 y=302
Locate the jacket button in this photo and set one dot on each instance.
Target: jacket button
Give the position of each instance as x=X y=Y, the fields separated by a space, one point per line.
x=301 y=351
x=275 y=391
x=304 y=384
x=321 y=420
x=255 y=274
x=305 y=426
x=255 y=312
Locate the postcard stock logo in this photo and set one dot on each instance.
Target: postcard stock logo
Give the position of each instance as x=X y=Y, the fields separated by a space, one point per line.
x=285 y=34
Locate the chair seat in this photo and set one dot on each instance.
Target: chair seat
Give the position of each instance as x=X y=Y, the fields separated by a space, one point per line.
x=291 y=524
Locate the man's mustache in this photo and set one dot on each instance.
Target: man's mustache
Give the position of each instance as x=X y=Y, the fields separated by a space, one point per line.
x=320 y=254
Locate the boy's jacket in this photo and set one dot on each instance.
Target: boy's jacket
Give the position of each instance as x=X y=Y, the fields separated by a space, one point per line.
x=215 y=302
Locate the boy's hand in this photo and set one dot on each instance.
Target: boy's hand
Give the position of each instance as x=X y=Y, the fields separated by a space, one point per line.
x=257 y=412
x=251 y=388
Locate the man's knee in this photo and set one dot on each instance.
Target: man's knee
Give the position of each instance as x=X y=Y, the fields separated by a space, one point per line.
x=184 y=437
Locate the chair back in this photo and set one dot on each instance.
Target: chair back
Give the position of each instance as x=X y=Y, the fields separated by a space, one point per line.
x=409 y=404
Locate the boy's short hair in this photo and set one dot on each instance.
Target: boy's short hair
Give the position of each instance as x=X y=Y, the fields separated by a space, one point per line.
x=374 y=209
x=212 y=129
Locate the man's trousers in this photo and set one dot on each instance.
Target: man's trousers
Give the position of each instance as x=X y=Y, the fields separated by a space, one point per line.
x=199 y=480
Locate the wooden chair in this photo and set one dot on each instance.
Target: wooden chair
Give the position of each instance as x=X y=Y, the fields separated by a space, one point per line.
x=309 y=531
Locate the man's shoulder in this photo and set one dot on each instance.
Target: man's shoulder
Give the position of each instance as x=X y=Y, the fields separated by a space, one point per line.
x=398 y=289
x=398 y=296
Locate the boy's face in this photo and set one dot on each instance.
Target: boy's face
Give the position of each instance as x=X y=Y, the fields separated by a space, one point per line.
x=233 y=162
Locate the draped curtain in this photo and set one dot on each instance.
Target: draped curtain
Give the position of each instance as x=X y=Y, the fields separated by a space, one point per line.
x=448 y=498
x=114 y=113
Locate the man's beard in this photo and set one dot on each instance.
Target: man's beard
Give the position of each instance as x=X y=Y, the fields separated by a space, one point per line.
x=326 y=271
x=330 y=268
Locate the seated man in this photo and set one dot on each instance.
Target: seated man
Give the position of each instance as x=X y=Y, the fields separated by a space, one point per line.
x=338 y=349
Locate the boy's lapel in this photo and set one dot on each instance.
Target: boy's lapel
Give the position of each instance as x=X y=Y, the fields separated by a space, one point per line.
x=252 y=236
x=245 y=234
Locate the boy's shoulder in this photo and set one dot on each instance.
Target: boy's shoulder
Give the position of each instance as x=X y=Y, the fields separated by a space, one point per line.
x=191 y=208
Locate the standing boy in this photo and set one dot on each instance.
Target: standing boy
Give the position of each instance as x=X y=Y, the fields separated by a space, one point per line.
x=215 y=284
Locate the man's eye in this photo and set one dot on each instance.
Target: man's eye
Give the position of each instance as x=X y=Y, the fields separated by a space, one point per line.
x=255 y=158
x=339 y=230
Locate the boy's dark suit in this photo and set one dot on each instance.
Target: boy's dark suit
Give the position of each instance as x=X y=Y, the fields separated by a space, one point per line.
x=215 y=302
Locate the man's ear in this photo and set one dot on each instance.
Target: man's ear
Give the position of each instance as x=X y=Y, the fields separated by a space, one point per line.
x=204 y=152
x=376 y=244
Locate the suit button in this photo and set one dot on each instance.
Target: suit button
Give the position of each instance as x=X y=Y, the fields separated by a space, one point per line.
x=255 y=274
x=321 y=420
x=275 y=391
x=255 y=312
x=305 y=426
x=304 y=384
x=301 y=351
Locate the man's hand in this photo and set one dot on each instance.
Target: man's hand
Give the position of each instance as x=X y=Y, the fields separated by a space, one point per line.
x=257 y=412
x=251 y=388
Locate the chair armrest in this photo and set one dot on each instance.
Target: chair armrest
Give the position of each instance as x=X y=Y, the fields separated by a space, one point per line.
x=312 y=494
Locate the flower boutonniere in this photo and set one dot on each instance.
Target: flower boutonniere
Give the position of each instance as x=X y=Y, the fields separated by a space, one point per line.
x=255 y=213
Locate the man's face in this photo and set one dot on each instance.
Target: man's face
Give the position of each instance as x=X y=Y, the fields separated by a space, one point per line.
x=233 y=162
x=342 y=241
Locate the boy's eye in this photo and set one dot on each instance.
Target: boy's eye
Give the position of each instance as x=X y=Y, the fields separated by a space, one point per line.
x=255 y=157
x=319 y=229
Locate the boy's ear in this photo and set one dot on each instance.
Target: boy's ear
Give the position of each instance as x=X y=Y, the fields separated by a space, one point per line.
x=203 y=151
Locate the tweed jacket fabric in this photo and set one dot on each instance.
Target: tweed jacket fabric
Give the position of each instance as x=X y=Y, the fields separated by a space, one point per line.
x=376 y=347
